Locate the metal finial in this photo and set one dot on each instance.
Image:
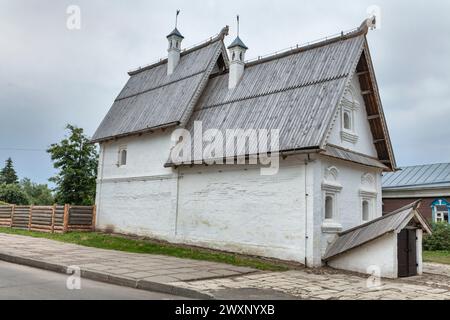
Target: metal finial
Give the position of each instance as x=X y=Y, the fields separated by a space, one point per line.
x=237 y=18
x=176 y=18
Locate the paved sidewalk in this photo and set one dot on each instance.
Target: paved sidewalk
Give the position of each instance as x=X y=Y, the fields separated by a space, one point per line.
x=325 y=284
x=144 y=271
x=200 y=279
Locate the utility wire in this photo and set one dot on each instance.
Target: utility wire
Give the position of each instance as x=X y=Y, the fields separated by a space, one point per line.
x=23 y=149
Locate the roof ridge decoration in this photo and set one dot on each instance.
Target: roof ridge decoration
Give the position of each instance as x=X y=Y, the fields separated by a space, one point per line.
x=220 y=36
x=144 y=108
x=343 y=35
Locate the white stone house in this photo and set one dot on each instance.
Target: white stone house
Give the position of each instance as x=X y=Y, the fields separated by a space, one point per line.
x=334 y=145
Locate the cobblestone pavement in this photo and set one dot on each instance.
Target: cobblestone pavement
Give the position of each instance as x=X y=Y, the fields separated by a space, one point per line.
x=331 y=284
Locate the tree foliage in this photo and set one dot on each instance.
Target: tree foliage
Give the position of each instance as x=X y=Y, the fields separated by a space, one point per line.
x=76 y=160
x=37 y=194
x=8 y=175
x=440 y=239
x=13 y=194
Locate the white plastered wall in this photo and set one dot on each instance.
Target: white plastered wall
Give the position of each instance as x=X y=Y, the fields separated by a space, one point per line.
x=139 y=198
x=364 y=144
x=351 y=178
x=379 y=256
x=237 y=209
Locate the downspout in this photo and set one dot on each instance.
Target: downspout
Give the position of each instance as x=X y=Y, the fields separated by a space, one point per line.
x=177 y=200
x=102 y=165
x=306 y=210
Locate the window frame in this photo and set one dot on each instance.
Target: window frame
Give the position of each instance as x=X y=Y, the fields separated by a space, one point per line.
x=332 y=196
x=349 y=106
x=369 y=202
x=120 y=163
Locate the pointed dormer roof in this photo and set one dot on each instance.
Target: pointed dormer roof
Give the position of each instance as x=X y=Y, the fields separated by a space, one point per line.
x=175 y=32
x=237 y=43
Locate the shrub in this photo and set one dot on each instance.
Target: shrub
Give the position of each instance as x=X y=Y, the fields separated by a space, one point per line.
x=439 y=240
x=13 y=194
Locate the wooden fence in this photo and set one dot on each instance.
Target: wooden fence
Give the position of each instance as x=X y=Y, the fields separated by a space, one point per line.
x=48 y=218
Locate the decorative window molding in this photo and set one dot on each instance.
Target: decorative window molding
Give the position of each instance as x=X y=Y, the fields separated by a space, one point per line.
x=331 y=189
x=368 y=180
x=368 y=194
x=349 y=136
x=441 y=210
x=349 y=106
x=365 y=211
x=331 y=174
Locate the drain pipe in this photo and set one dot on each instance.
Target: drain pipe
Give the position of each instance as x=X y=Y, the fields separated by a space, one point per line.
x=307 y=161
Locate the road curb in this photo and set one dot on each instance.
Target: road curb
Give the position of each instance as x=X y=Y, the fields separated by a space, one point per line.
x=109 y=278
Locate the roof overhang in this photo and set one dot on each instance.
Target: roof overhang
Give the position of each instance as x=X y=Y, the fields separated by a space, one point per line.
x=136 y=133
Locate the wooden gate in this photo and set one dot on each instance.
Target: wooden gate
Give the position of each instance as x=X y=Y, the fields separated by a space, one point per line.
x=407 y=253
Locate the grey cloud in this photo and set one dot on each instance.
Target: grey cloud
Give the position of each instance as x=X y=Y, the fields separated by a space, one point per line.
x=50 y=76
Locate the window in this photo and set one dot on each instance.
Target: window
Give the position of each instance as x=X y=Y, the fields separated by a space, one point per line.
x=349 y=107
x=347 y=121
x=441 y=214
x=365 y=211
x=329 y=207
x=233 y=56
x=441 y=210
x=241 y=56
x=122 y=157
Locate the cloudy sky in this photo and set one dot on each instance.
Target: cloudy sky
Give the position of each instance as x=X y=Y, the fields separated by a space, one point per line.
x=51 y=76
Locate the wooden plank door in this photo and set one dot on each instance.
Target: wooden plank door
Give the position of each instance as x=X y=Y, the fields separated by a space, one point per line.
x=407 y=253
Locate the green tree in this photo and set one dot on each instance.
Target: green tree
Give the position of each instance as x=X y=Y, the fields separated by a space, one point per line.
x=8 y=174
x=440 y=239
x=38 y=194
x=13 y=194
x=76 y=160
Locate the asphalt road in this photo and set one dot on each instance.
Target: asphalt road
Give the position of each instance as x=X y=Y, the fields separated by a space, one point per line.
x=24 y=283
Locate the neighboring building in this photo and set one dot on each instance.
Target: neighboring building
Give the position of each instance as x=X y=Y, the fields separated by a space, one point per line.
x=334 y=146
x=430 y=183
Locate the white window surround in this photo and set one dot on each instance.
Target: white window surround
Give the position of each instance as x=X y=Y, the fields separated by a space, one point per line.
x=331 y=189
x=349 y=106
x=122 y=156
x=440 y=216
x=368 y=194
x=365 y=210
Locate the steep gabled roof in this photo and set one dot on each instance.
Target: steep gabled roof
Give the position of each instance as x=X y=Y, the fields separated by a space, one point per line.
x=298 y=92
x=418 y=177
x=152 y=99
x=373 y=230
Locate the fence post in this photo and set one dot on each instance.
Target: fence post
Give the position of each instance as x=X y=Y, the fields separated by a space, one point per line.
x=53 y=218
x=13 y=210
x=66 y=218
x=94 y=217
x=30 y=217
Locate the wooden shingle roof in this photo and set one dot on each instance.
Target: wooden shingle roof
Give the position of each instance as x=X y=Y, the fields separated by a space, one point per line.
x=297 y=92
